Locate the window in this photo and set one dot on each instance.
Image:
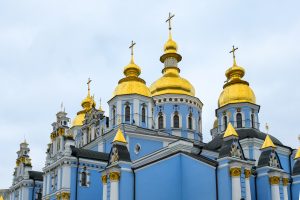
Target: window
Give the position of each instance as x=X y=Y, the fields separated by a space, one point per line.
x=225 y=122
x=253 y=120
x=160 y=121
x=176 y=120
x=239 y=120
x=127 y=113
x=190 y=121
x=143 y=114
x=114 y=116
x=84 y=177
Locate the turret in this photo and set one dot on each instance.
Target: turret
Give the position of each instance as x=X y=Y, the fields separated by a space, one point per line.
x=237 y=102
x=131 y=102
x=177 y=110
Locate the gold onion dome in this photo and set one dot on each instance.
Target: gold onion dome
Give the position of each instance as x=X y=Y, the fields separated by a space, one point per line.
x=236 y=90
x=171 y=82
x=132 y=83
x=87 y=104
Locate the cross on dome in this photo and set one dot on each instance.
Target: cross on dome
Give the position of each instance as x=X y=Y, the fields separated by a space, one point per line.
x=169 y=20
x=131 y=46
x=233 y=52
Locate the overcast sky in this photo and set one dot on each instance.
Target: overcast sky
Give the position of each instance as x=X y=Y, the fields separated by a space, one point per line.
x=49 y=48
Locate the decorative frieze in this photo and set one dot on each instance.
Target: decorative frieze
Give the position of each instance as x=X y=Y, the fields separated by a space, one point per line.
x=285 y=181
x=114 y=176
x=235 y=171
x=274 y=180
x=104 y=179
x=247 y=173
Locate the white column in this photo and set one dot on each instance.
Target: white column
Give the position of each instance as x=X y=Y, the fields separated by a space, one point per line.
x=136 y=111
x=274 y=181
x=114 y=185
x=58 y=178
x=48 y=183
x=104 y=182
x=285 y=182
x=235 y=173
x=247 y=183
x=66 y=177
x=44 y=184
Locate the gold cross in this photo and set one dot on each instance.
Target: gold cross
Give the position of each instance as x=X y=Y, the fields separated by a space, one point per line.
x=131 y=47
x=169 y=20
x=233 y=51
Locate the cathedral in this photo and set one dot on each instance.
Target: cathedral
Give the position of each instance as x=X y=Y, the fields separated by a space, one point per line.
x=149 y=145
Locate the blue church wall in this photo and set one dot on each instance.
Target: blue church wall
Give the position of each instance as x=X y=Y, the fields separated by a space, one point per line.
x=94 y=188
x=296 y=188
x=126 y=185
x=108 y=145
x=184 y=110
x=224 y=183
x=263 y=187
x=73 y=183
x=197 y=179
x=166 y=184
x=252 y=186
x=284 y=160
x=147 y=146
x=178 y=177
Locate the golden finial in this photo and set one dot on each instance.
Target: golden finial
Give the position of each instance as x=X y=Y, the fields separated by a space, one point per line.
x=100 y=107
x=119 y=137
x=268 y=143
x=131 y=47
x=88 y=83
x=230 y=131
x=233 y=54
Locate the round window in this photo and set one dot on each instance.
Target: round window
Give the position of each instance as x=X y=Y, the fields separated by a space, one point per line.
x=137 y=148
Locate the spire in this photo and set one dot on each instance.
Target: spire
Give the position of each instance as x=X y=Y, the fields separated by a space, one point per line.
x=88 y=102
x=119 y=137
x=100 y=106
x=132 y=69
x=268 y=143
x=230 y=131
x=170 y=47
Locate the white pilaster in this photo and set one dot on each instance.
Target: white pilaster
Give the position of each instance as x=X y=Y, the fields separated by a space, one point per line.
x=136 y=111
x=58 y=178
x=104 y=182
x=285 y=182
x=235 y=173
x=247 y=183
x=274 y=181
x=114 y=185
x=48 y=183
x=66 y=177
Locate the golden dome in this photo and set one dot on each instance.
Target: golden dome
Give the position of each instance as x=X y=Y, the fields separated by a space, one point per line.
x=132 y=83
x=236 y=90
x=87 y=104
x=171 y=82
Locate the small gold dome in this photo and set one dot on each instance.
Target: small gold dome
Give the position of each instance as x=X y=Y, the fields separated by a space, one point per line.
x=87 y=104
x=171 y=82
x=170 y=46
x=236 y=90
x=78 y=120
x=132 y=83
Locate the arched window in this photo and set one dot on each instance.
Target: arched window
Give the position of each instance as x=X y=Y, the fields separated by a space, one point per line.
x=225 y=122
x=176 y=120
x=127 y=113
x=114 y=116
x=190 y=121
x=253 y=120
x=160 y=121
x=239 y=120
x=84 y=177
x=143 y=114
